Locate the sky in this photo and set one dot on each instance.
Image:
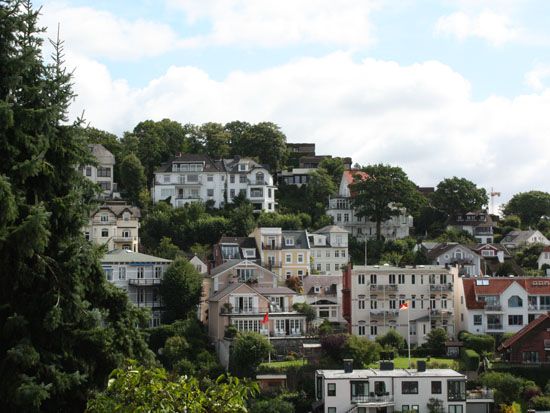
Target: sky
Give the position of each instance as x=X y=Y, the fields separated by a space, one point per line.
x=441 y=88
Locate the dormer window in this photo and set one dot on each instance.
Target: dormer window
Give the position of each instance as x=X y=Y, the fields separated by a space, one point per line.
x=317 y=289
x=260 y=178
x=126 y=216
x=243 y=167
x=289 y=241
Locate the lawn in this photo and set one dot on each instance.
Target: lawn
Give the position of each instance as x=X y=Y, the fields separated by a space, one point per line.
x=283 y=364
x=403 y=362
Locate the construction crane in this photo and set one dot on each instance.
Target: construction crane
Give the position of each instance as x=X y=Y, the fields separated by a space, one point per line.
x=493 y=194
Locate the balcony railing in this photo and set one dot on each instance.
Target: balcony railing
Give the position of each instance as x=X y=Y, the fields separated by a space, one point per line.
x=271 y=246
x=384 y=313
x=542 y=307
x=441 y=287
x=494 y=326
x=485 y=394
x=493 y=307
x=386 y=399
x=382 y=287
x=254 y=182
x=440 y=313
x=255 y=310
x=124 y=239
x=144 y=282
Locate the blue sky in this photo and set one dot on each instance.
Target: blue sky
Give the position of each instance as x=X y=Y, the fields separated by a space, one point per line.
x=442 y=88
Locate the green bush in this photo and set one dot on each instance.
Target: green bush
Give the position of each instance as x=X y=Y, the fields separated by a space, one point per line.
x=470 y=359
x=541 y=403
x=481 y=343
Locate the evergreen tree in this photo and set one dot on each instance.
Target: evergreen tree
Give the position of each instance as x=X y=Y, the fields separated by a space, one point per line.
x=132 y=178
x=63 y=328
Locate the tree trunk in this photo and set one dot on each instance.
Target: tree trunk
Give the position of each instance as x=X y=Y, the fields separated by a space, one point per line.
x=378 y=230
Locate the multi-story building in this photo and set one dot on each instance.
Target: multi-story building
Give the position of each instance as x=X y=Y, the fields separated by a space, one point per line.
x=102 y=173
x=191 y=178
x=285 y=252
x=115 y=224
x=242 y=293
x=324 y=293
x=373 y=295
x=139 y=275
x=394 y=390
x=329 y=249
x=478 y=224
x=231 y=248
x=454 y=254
x=344 y=215
x=497 y=305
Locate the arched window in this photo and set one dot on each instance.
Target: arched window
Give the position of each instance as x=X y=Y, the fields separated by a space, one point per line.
x=260 y=178
x=515 y=301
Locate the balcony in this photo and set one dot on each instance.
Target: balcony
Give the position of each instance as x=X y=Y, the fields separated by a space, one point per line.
x=124 y=239
x=493 y=307
x=373 y=401
x=144 y=282
x=481 y=394
x=440 y=313
x=542 y=307
x=384 y=313
x=254 y=182
x=271 y=247
x=494 y=326
x=256 y=194
x=256 y=311
x=382 y=288
x=441 y=287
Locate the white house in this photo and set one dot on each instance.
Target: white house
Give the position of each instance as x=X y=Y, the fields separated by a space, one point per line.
x=102 y=173
x=454 y=254
x=114 y=224
x=324 y=293
x=517 y=239
x=393 y=390
x=191 y=177
x=477 y=223
x=139 y=275
x=376 y=293
x=329 y=249
x=497 y=305
x=544 y=257
x=343 y=214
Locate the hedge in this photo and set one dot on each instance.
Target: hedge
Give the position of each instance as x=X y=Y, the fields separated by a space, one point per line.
x=470 y=359
x=481 y=343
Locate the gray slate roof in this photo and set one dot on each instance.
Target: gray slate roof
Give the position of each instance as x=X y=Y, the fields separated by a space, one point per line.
x=126 y=256
x=101 y=153
x=300 y=239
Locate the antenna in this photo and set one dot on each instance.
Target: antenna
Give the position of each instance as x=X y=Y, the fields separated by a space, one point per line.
x=493 y=194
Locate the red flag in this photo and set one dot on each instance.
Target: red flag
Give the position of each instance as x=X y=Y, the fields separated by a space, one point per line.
x=404 y=306
x=266 y=318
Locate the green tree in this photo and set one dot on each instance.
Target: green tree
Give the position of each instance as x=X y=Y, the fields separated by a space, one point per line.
x=180 y=289
x=507 y=387
x=137 y=389
x=215 y=140
x=242 y=220
x=247 y=352
x=307 y=310
x=132 y=178
x=458 y=195
x=391 y=339
x=175 y=349
x=63 y=327
x=381 y=195
x=318 y=191
x=529 y=206
x=334 y=167
x=268 y=144
x=167 y=249
x=275 y=405
x=362 y=351
x=435 y=341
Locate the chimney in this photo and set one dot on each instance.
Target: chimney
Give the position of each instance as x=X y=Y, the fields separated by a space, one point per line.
x=386 y=365
x=421 y=364
x=348 y=365
x=446 y=265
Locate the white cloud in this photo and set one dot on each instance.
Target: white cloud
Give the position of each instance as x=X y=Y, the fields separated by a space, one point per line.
x=280 y=22
x=496 y=29
x=535 y=77
x=421 y=117
x=100 y=34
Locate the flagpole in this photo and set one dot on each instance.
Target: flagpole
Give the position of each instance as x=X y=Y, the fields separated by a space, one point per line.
x=409 y=331
x=269 y=341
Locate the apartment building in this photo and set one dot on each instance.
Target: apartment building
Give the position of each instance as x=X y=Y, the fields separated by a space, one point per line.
x=329 y=249
x=287 y=253
x=101 y=174
x=497 y=305
x=114 y=224
x=395 y=390
x=140 y=276
x=373 y=294
x=192 y=178
x=344 y=215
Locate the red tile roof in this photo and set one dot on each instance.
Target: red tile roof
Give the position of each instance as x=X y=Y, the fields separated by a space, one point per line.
x=352 y=173
x=524 y=331
x=497 y=285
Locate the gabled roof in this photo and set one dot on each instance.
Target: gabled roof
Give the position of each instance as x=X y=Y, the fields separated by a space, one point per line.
x=544 y=318
x=330 y=228
x=209 y=164
x=230 y=264
x=101 y=153
x=482 y=219
x=118 y=209
x=519 y=237
x=230 y=288
x=274 y=290
x=127 y=256
x=231 y=164
x=350 y=175
x=242 y=242
x=444 y=247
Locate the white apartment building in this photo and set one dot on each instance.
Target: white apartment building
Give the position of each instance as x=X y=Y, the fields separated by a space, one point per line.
x=329 y=249
x=343 y=214
x=497 y=305
x=390 y=390
x=376 y=292
x=191 y=178
x=103 y=173
x=115 y=224
x=139 y=275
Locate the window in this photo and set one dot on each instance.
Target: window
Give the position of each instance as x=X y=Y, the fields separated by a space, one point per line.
x=209 y=192
x=232 y=179
x=361 y=279
x=401 y=279
x=140 y=272
x=242 y=179
x=414 y=408
x=88 y=171
x=359 y=389
x=373 y=278
x=456 y=390
x=289 y=241
x=331 y=410
x=327 y=267
x=300 y=258
x=405 y=408
x=478 y=319
x=392 y=278
x=104 y=172
x=210 y=178
x=166 y=178
x=531 y=357
x=455 y=408
x=125 y=234
x=121 y=273
x=361 y=330
x=105 y=185
x=104 y=232
x=515 y=320
x=331 y=389
x=232 y=193
x=413 y=301
x=373 y=330
x=108 y=273
x=346 y=217
x=413 y=278
x=379 y=388
x=158 y=272
x=336 y=253
x=87 y=235
x=328 y=253
x=192 y=178
x=373 y=304
x=436 y=387
x=515 y=301
x=393 y=304
x=361 y=303
x=409 y=387
x=104 y=218
x=288 y=258
x=319 y=387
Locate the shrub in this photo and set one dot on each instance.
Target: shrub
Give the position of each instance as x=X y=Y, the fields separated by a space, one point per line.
x=541 y=403
x=480 y=343
x=470 y=359
x=391 y=339
x=507 y=387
